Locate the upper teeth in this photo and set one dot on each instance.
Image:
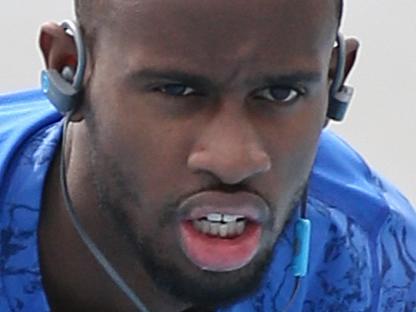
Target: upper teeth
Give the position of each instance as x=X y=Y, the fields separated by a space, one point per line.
x=222 y=225
x=218 y=217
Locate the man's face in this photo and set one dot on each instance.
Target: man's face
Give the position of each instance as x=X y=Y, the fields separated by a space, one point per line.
x=204 y=120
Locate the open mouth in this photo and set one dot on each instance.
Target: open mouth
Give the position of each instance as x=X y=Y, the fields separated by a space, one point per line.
x=221 y=225
x=222 y=232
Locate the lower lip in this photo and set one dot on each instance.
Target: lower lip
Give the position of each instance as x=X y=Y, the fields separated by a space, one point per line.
x=220 y=254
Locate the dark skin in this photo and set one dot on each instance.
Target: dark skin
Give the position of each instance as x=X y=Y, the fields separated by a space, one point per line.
x=218 y=96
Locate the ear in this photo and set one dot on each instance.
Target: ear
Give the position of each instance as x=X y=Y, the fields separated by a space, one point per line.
x=58 y=50
x=352 y=47
x=57 y=47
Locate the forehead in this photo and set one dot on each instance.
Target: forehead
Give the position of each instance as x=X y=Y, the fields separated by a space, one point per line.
x=218 y=31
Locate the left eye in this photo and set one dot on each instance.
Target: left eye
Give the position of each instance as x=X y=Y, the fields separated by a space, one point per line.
x=278 y=94
x=176 y=89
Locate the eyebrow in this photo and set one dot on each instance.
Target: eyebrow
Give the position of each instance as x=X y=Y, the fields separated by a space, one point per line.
x=288 y=78
x=201 y=81
x=173 y=75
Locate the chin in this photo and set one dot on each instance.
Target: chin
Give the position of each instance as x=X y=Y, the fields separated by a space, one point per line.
x=191 y=284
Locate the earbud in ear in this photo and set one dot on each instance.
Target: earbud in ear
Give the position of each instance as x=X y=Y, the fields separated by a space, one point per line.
x=68 y=74
x=63 y=89
x=59 y=91
x=339 y=102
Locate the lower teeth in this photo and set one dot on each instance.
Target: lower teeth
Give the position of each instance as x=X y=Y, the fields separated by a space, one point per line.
x=224 y=230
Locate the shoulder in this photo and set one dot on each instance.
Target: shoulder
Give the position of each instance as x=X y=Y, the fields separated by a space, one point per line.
x=341 y=178
x=21 y=112
x=22 y=108
x=21 y=116
x=375 y=222
x=29 y=135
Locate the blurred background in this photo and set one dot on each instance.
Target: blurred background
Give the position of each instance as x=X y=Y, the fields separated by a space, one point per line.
x=381 y=123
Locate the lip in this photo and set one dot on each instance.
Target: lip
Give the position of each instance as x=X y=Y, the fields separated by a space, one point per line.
x=246 y=204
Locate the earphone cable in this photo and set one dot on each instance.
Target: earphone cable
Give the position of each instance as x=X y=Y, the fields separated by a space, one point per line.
x=92 y=247
x=298 y=279
x=99 y=256
x=295 y=291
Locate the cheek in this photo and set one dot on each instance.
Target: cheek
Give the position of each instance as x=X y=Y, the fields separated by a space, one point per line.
x=150 y=152
x=294 y=144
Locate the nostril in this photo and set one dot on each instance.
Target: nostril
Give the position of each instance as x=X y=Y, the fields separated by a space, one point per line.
x=230 y=168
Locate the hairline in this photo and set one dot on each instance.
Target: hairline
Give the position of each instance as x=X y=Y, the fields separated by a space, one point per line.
x=84 y=9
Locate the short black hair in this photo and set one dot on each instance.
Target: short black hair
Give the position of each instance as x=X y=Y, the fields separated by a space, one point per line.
x=340 y=10
x=89 y=12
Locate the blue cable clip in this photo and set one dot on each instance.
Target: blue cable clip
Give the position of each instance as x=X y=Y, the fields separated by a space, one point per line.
x=302 y=247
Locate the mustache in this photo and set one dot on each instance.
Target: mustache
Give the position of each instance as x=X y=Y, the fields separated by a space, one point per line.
x=170 y=213
x=224 y=188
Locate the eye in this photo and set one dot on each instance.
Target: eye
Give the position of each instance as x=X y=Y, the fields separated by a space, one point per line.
x=278 y=94
x=175 y=89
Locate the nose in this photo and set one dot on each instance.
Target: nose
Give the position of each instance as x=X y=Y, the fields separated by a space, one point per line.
x=229 y=149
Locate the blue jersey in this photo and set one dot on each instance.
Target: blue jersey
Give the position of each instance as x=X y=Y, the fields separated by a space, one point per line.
x=363 y=249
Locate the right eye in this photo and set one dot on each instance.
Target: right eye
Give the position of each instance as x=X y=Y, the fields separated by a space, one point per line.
x=278 y=94
x=175 y=89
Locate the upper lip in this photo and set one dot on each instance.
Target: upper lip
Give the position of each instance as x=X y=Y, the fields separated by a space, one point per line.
x=246 y=204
